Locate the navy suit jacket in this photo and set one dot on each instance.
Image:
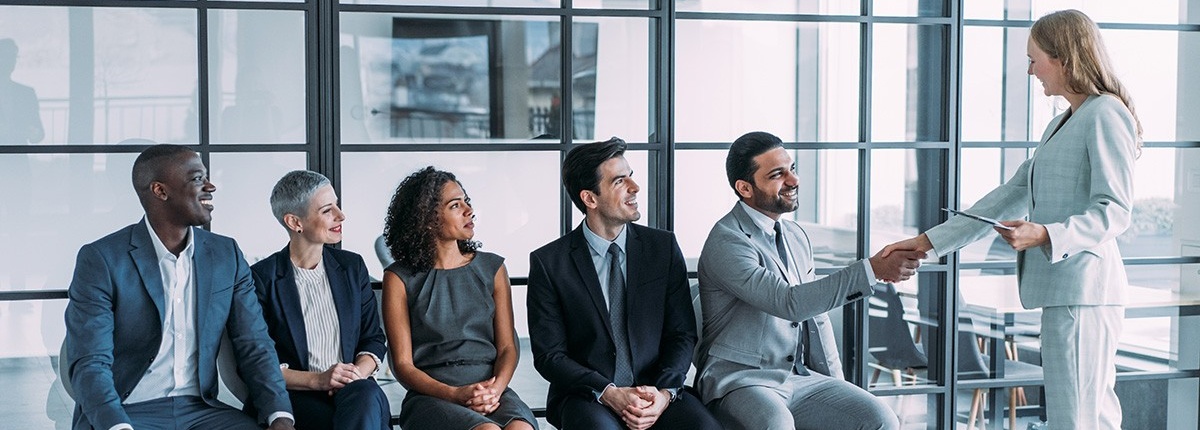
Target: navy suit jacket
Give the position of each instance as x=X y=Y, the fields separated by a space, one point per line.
x=357 y=313
x=114 y=324
x=568 y=317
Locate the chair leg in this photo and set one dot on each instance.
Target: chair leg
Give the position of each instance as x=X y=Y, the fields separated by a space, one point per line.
x=1012 y=408
x=875 y=376
x=917 y=334
x=976 y=401
x=896 y=378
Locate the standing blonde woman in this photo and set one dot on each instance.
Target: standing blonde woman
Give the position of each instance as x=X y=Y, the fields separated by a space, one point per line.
x=1077 y=194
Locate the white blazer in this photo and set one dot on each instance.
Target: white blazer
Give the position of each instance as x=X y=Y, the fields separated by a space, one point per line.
x=1079 y=184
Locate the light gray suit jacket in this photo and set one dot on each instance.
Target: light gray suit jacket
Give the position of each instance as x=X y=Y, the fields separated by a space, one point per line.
x=1079 y=184
x=752 y=313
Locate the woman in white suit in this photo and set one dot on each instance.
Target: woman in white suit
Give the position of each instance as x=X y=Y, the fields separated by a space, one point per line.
x=1077 y=193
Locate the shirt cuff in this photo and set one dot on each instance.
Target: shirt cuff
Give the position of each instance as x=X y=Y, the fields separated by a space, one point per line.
x=674 y=393
x=378 y=362
x=281 y=414
x=600 y=393
x=870 y=272
x=121 y=426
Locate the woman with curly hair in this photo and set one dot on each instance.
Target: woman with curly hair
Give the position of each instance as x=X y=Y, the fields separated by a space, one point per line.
x=448 y=312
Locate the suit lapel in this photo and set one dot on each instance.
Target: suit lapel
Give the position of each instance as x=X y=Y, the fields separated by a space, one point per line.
x=758 y=238
x=142 y=252
x=799 y=251
x=289 y=301
x=202 y=265
x=587 y=272
x=343 y=302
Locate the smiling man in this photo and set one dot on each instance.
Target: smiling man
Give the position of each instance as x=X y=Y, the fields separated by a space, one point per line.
x=768 y=358
x=148 y=306
x=610 y=314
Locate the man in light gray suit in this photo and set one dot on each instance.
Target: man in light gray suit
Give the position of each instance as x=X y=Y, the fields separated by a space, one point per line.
x=768 y=358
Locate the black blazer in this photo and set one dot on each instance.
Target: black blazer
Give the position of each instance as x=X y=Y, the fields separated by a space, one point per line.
x=358 y=315
x=568 y=318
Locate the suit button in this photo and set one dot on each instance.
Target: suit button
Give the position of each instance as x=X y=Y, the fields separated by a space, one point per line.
x=791 y=358
x=795 y=324
x=126 y=395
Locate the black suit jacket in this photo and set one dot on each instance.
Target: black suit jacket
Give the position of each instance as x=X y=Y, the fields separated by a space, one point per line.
x=568 y=318
x=358 y=315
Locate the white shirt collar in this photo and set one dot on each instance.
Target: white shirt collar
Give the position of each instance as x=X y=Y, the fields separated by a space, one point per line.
x=764 y=223
x=161 y=250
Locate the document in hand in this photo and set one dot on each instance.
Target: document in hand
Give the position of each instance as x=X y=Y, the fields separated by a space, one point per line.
x=993 y=222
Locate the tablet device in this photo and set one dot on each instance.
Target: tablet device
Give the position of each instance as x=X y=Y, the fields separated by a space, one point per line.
x=993 y=222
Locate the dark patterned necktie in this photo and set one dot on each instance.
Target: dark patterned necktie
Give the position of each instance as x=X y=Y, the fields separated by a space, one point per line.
x=779 y=246
x=623 y=371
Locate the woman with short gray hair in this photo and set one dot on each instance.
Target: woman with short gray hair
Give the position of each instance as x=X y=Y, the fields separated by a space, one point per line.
x=320 y=310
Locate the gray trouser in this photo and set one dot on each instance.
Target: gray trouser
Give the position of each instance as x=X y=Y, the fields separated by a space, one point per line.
x=1079 y=349
x=804 y=402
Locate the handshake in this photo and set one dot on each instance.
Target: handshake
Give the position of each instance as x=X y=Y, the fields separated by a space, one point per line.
x=899 y=261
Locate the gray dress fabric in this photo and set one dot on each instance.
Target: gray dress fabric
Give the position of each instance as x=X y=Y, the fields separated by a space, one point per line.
x=451 y=313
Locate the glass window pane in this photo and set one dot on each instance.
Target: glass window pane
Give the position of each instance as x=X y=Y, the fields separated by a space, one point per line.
x=833 y=7
x=79 y=198
x=98 y=75
x=997 y=92
x=1155 y=12
x=906 y=193
x=476 y=3
x=611 y=79
x=615 y=4
x=909 y=8
x=909 y=62
x=243 y=208
x=1158 y=92
x=436 y=80
x=899 y=319
x=828 y=203
x=33 y=332
x=516 y=209
x=256 y=76
x=796 y=80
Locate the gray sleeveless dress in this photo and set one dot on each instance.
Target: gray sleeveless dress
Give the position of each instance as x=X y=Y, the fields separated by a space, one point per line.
x=451 y=314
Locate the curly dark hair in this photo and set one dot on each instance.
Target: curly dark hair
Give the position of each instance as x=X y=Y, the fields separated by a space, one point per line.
x=412 y=223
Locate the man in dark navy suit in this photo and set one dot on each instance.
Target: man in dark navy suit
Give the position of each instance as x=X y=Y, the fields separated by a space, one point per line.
x=610 y=314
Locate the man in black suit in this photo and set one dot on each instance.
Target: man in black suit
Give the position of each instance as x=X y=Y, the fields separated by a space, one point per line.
x=610 y=314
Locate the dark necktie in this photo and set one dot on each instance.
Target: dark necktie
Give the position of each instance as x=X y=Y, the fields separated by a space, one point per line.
x=623 y=370
x=797 y=359
x=779 y=246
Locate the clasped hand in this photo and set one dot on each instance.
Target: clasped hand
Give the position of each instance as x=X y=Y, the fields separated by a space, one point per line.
x=337 y=377
x=639 y=407
x=482 y=397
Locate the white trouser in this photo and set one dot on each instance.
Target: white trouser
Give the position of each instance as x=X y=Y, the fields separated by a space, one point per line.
x=1079 y=349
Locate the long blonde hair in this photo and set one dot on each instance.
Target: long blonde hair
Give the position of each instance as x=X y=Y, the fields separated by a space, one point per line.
x=1073 y=38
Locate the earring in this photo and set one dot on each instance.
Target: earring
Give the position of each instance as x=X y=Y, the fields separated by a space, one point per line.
x=299 y=230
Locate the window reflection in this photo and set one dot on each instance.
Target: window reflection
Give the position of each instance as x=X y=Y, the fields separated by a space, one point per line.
x=256 y=79
x=410 y=79
x=100 y=75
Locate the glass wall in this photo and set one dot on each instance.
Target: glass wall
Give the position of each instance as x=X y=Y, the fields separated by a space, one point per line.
x=891 y=110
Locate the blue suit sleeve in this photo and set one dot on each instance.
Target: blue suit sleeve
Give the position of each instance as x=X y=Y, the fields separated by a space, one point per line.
x=253 y=348
x=90 y=326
